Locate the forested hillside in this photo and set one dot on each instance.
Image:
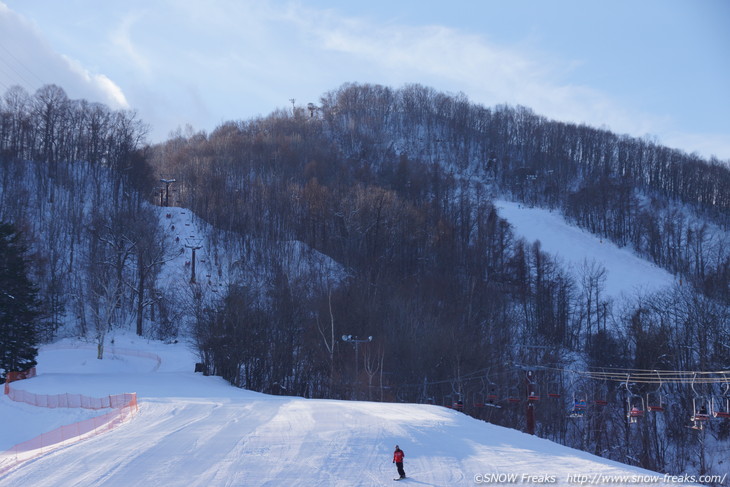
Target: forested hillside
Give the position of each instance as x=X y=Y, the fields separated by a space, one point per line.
x=75 y=184
x=396 y=186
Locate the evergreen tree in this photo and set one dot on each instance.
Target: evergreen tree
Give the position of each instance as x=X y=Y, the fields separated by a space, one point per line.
x=18 y=306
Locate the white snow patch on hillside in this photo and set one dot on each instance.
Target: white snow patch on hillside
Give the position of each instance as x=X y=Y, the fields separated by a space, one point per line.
x=627 y=273
x=193 y=430
x=218 y=262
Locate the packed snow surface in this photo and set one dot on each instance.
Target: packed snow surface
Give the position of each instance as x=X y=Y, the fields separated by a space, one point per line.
x=626 y=273
x=193 y=430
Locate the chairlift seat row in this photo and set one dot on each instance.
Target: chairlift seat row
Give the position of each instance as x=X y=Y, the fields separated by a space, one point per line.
x=636 y=413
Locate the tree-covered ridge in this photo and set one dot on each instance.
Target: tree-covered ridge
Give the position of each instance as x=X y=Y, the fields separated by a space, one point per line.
x=670 y=207
x=633 y=191
x=397 y=186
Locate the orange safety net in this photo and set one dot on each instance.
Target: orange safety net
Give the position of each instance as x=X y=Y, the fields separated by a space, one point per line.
x=65 y=435
x=25 y=374
x=123 y=406
x=13 y=376
x=69 y=400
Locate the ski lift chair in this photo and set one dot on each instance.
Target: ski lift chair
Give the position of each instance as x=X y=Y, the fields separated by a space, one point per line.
x=725 y=414
x=514 y=396
x=456 y=400
x=635 y=405
x=491 y=397
x=458 y=403
x=554 y=388
x=514 y=391
x=701 y=407
x=601 y=399
x=448 y=401
x=479 y=398
x=636 y=410
x=701 y=413
x=724 y=411
x=654 y=401
x=600 y=394
x=655 y=408
x=532 y=392
x=600 y=402
x=580 y=406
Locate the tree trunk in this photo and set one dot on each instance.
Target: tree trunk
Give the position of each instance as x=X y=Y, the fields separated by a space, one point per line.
x=140 y=294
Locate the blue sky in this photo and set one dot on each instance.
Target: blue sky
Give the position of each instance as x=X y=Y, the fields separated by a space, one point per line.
x=657 y=68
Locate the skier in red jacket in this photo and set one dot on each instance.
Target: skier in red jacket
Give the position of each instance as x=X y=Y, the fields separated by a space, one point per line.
x=398 y=460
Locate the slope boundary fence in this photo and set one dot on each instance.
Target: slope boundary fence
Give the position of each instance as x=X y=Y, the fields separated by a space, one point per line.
x=114 y=351
x=122 y=408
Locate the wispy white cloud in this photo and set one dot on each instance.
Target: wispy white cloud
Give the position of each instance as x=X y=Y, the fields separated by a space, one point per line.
x=99 y=84
x=200 y=63
x=122 y=39
x=456 y=61
x=28 y=60
x=489 y=73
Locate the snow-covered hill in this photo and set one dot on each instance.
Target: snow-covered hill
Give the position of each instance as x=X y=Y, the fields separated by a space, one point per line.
x=626 y=273
x=222 y=259
x=193 y=430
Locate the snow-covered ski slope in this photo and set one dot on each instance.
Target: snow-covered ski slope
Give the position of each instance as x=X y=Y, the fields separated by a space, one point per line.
x=577 y=250
x=626 y=273
x=193 y=430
